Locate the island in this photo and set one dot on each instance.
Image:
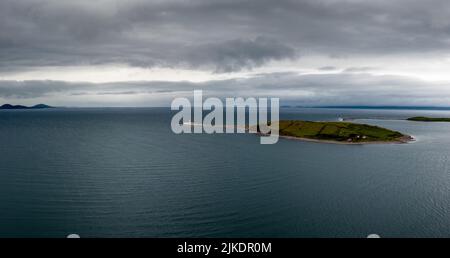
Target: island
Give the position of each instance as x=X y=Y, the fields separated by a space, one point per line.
x=428 y=119
x=339 y=132
x=38 y=106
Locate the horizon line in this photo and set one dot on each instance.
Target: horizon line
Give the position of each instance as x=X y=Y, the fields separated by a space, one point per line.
x=406 y=107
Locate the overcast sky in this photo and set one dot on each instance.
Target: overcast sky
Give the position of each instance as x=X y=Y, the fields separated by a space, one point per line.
x=144 y=53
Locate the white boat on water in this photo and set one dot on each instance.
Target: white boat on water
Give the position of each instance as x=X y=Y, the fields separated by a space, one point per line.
x=191 y=123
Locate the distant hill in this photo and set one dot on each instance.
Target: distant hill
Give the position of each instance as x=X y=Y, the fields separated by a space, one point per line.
x=388 y=107
x=39 y=106
x=429 y=119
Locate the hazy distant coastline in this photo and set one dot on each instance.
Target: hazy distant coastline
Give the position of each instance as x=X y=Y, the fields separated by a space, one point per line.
x=387 y=107
x=38 y=106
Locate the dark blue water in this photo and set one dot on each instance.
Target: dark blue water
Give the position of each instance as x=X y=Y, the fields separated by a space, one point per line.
x=123 y=173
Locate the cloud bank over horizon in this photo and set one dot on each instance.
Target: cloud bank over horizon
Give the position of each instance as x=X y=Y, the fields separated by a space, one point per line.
x=143 y=53
x=291 y=88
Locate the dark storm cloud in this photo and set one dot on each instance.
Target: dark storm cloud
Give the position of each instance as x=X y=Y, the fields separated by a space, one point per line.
x=234 y=55
x=220 y=36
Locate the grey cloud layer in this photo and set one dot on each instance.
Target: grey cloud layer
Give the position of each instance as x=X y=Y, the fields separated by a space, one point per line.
x=221 y=36
x=313 y=90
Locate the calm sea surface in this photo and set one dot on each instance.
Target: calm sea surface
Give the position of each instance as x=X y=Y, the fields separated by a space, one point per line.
x=123 y=173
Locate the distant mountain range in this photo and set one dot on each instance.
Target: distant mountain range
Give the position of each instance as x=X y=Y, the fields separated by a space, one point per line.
x=389 y=107
x=9 y=106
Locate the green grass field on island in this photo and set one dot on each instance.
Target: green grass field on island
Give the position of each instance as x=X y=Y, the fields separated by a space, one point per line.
x=338 y=131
